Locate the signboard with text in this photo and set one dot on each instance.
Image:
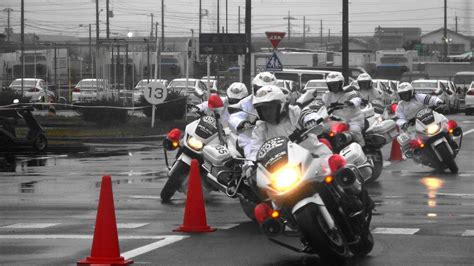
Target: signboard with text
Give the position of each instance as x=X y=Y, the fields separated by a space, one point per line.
x=222 y=43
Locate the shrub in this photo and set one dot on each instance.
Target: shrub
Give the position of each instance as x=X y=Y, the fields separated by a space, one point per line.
x=98 y=112
x=172 y=109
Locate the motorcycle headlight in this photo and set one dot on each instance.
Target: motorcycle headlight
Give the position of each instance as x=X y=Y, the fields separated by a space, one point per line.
x=380 y=119
x=432 y=129
x=286 y=178
x=195 y=144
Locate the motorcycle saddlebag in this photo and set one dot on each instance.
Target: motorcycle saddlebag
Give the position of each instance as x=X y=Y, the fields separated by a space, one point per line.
x=384 y=132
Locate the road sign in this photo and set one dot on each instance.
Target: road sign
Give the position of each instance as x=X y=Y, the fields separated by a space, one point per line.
x=222 y=43
x=155 y=92
x=275 y=37
x=274 y=63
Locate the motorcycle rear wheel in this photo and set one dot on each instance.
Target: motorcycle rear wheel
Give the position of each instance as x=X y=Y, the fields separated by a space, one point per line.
x=331 y=248
x=377 y=159
x=249 y=208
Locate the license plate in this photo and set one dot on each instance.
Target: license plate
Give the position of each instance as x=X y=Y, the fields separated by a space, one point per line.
x=404 y=138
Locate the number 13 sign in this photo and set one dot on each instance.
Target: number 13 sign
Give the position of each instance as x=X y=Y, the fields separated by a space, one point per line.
x=155 y=92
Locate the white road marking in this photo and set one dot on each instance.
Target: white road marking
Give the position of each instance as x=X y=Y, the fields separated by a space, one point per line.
x=79 y=237
x=158 y=244
x=29 y=226
x=144 y=197
x=468 y=233
x=225 y=226
x=131 y=225
x=386 y=163
x=468 y=132
x=395 y=231
x=462 y=195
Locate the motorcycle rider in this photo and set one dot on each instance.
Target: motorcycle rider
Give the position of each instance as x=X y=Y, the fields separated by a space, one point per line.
x=366 y=91
x=345 y=102
x=236 y=92
x=242 y=121
x=411 y=102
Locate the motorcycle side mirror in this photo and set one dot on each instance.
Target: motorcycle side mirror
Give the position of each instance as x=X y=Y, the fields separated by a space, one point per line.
x=214 y=102
x=15 y=101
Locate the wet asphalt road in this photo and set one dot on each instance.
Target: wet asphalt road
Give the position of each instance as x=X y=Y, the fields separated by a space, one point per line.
x=48 y=206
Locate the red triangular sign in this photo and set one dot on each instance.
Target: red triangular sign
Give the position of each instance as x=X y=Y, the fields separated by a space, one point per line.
x=275 y=37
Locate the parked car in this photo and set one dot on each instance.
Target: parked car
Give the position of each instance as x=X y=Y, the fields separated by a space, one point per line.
x=388 y=88
x=433 y=87
x=138 y=90
x=470 y=99
x=211 y=85
x=319 y=85
x=413 y=75
x=34 y=89
x=454 y=96
x=462 y=80
x=88 y=90
x=196 y=92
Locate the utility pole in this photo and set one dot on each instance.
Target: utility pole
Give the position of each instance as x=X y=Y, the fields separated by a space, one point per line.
x=345 y=40
x=151 y=27
x=289 y=18
x=107 y=21
x=238 y=19
x=226 y=16
x=445 y=30
x=200 y=15
x=90 y=49
x=8 y=10
x=321 y=35
x=304 y=30
x=456 y=19
x=162 y=25
x=218 y=16
x=329 y=35
x=22 y=44
x=248 y=36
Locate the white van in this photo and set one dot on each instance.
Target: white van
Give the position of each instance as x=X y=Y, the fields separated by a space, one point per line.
x=301 y=76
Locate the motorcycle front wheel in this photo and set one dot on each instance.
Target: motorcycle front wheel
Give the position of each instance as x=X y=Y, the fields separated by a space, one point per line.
x=329 y=244
x=448 y=159
x=40 y=143
x=377 y=159
x=175 y=180
x=248 y=207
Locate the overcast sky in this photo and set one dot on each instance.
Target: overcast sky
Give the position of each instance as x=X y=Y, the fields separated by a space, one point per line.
x=64 y=16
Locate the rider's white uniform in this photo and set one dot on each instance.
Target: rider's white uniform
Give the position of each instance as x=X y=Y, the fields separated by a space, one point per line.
x=287 y=125
x=351 y=114
x=407 y=110
x=235 y=119
x=371 y=94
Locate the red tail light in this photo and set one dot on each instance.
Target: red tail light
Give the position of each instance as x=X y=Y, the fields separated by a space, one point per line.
x=470 y=92
x=76 y=90
x=338 y=128
x=174 y=135
x=394 y=107
x=336 y=162
x=416 y=144
x=214 y=101
x=452 y=125
x=326 y=142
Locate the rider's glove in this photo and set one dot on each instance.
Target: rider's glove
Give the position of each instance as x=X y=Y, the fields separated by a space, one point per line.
x=244 y=125
x=192 y=109
x=404 y=126
x=248 y=169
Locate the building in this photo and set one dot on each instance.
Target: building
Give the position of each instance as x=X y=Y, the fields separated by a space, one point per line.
x=457 y=43
x=391 y=38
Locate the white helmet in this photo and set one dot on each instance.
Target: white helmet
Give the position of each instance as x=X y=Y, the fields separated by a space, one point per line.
x=335 y=82
x=364 y=81
x=405 y=91
x=269 y=103
x=236 y=92
x=262 y=79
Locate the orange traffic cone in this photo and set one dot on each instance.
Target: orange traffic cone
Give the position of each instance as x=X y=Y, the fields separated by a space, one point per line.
x=105 y=246
x=195 y=211
x=396 y=153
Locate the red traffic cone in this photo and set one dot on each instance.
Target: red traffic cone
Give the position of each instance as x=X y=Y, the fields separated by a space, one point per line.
x=396 y=153
x=105 y=245
x=195 y=211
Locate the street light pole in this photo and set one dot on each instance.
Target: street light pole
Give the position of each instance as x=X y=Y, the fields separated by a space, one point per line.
x=345 y=40
x=22 y=44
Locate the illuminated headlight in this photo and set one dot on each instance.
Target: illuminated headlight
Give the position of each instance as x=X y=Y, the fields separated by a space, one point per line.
x=195 y=144
x=433 y=129
x=286 y=178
